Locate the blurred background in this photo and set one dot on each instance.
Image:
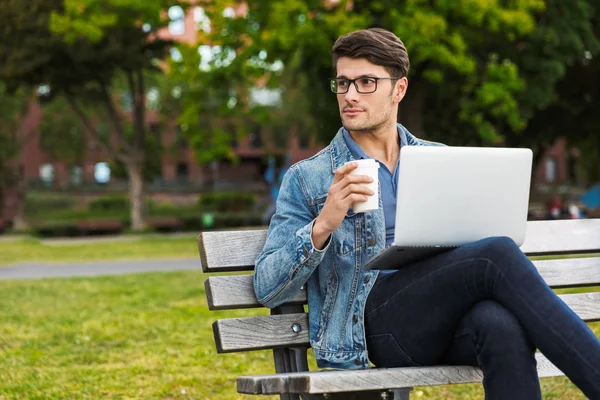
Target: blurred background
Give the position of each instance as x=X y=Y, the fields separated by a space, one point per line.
x=156 y=115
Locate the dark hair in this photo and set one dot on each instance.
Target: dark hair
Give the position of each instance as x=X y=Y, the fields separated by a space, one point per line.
x=378 y=46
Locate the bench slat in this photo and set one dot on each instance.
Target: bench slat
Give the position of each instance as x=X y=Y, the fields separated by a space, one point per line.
x=570 y=272
x=236 y=291
x=257 y=333
x=230 y=250
x=370 y=379
x=237 y=250
x=233 y=292
x=564 y=236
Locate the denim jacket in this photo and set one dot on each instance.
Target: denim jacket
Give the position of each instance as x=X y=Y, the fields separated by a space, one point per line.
x=337 y=286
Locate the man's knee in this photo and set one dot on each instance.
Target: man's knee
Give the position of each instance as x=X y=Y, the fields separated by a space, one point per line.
x=497 y=327
x=501 y=245
x=503 y=252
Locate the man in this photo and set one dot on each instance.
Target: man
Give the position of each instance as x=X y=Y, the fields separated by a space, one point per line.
x=483 y=304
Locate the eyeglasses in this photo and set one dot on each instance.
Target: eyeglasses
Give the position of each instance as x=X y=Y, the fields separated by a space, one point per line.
x=366 y=84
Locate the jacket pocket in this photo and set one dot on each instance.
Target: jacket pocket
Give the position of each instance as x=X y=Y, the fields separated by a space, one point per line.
x=326 y=311
x=344 y=237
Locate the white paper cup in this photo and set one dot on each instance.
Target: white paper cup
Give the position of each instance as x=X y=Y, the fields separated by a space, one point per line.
x=370 y=168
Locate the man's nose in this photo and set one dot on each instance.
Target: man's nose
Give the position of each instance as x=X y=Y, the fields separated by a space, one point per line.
x=352 y=94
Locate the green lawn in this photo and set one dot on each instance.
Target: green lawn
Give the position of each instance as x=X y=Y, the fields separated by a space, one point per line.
x=155 y=246
x=145 y=336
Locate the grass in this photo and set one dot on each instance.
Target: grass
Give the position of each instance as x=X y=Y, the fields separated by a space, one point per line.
x=144 y=336
x=31 y=250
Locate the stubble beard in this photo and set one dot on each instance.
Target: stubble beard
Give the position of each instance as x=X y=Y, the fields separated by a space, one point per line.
x=368 y=125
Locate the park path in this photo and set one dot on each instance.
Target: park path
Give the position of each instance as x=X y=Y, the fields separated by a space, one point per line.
x=42 y=270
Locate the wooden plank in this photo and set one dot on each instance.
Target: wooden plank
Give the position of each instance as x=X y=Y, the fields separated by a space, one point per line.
x=562 y=236
x=233 y=292
x=237 y=250
x=230 y=250
x=338 y=381
x=236 y=291
x=256 y=333
x=570 y=272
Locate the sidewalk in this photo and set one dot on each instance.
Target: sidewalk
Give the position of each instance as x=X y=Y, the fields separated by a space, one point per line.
x=95 y=239
x=41 y=270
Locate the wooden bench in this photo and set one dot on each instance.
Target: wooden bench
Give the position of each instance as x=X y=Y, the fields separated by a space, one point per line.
x=286 y=329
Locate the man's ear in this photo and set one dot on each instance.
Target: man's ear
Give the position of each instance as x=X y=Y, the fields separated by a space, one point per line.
x=400 y=89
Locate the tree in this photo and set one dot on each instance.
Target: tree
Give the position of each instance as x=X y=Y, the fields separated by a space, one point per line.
x=573 y=109
x=13 y=107
x=83 y=50
x=480 y=70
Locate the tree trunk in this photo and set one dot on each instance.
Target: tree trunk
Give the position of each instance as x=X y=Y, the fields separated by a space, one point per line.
x=411 y=109
x=19 y=221
x=136 y=194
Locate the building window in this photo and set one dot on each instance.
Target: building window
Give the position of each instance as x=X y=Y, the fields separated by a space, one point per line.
x=550 y=170
x=47 y=174
x=153 y=98
x=177 y=17
x=304 y=141
x=126 y=101
x=255 y=140
x=102 y=172
x=154 y=129
x=180 y=140
x=76 y=177
x=183 y=171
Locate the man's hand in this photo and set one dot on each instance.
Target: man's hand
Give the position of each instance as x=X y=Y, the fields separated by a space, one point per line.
x=344 y=190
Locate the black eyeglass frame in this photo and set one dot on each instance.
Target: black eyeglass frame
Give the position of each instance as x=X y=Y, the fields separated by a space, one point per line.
x=333 y=81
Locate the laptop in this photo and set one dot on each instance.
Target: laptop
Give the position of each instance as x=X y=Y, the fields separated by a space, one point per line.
x=451 y=196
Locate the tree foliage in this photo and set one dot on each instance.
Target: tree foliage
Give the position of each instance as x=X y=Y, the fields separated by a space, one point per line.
x=481 y=71
x=88 y=51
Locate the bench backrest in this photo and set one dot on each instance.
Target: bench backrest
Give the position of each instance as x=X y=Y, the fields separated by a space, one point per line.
x=227 y=251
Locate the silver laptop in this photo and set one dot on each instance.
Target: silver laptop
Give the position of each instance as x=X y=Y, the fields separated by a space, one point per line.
x=450 y=196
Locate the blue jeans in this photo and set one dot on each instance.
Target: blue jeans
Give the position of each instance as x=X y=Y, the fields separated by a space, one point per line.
x=485 y=305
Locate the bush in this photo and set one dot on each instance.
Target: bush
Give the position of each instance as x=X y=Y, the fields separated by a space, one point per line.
x=227 y=201
x=56 y=229
x=114 y=203
x=41 y=204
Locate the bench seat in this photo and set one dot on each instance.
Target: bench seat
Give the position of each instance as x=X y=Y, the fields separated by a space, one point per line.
x=335 y=381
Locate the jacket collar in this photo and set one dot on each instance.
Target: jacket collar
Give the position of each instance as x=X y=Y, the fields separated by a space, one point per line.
x=340 y=153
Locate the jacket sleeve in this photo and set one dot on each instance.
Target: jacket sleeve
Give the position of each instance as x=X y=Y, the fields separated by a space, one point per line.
x=289 y=257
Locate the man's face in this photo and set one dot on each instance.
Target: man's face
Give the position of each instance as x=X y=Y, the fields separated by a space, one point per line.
x=368 y=111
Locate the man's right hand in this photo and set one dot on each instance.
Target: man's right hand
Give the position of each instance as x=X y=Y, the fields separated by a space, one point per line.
x=344 y=190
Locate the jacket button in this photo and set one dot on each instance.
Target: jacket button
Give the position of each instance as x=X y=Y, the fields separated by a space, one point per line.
x=367 y=279
x=357 y=362
x=355 y=318
x=371 y=242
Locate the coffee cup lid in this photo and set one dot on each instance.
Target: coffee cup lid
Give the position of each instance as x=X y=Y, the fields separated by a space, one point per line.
x=367 y=163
